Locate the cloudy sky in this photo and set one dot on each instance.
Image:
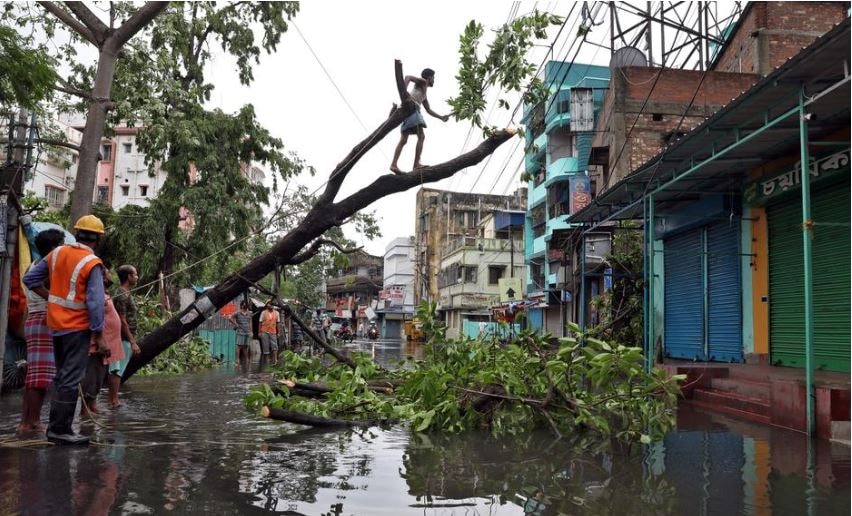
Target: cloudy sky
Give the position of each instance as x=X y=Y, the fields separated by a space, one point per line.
x=356 y=43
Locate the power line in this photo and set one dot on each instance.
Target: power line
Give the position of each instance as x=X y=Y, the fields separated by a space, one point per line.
x=520 y=100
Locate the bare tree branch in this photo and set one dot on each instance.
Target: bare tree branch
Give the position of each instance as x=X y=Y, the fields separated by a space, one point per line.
x=136 y=22
x=314 y=249
x=71 y=22
x=90 y=20
x=58 y=143
x=394 y=183
x=395 y=118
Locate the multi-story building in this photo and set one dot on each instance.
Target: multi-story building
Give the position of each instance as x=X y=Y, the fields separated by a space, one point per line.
x=355 y=287
x=54 y=174
x=472 y=267
x=123 y=176
x=396 y=299
x=441 y=216
x=558 y=142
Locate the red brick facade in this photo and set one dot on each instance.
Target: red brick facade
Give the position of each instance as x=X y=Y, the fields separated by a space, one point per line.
x=769 y=33
x=628 y=89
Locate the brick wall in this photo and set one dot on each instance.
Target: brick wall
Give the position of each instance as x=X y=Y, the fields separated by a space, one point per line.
x=772 y=32
x=662 y=112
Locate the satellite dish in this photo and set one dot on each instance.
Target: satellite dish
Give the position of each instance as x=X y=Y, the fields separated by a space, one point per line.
x=628 y=56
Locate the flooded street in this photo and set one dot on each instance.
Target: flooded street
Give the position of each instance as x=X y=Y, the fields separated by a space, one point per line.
x=186 y=445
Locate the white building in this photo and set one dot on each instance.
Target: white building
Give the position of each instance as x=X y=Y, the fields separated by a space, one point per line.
x=472 y=267
x=56 y=169
x=396 y=300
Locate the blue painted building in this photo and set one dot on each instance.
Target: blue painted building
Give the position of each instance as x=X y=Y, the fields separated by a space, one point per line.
x=559 y=135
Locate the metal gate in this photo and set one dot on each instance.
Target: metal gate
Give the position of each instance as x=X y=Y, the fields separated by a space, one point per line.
x=684 y=297
x=831 y=284
x=724 y=293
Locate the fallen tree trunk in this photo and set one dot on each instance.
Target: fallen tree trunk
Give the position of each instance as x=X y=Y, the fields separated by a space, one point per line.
x=295 y=246
x=317 y=421
x=324 y=389
x=319 y=340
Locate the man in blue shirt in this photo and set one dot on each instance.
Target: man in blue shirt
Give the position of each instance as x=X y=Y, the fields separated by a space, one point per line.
x=75 y=316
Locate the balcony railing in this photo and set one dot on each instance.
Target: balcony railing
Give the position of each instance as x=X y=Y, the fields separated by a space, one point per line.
x=480 y=244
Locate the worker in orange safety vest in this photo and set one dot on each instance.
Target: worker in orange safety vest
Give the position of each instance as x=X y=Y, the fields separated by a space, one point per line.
x=71 y=279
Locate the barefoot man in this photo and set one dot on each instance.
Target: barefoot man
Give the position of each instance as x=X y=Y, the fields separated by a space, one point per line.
x=415 y=123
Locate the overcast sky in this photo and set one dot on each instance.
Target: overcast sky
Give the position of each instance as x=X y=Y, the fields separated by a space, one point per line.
x=357 y=42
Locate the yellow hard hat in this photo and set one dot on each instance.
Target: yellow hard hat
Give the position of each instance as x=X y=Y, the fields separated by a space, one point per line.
x=90 y=223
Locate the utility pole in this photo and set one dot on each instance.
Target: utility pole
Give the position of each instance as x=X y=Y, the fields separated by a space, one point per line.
x=11 y=189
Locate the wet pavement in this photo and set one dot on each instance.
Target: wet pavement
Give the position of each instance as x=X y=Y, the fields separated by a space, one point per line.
x=185 y=444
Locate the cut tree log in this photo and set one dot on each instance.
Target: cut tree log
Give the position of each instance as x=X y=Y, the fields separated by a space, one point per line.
x=317 y=421
x=325 y=214
x=324 y=389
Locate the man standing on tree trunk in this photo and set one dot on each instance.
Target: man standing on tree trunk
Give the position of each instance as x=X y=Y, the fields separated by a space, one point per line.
x=415 y=123
x=75 y=316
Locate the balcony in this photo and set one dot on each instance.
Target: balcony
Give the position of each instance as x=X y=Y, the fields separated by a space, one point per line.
x=560 y=169
x=480 y=244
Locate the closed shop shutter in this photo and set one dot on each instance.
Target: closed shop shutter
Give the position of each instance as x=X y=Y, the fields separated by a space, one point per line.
x=684 y=297
x=724 y=310
x=831 y=257
x=393 y=330
x=536 y=319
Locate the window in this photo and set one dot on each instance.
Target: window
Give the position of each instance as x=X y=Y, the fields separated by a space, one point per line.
x=495 y=272
x=143 y=190
x=125 y=190
x=73 y=159
x=106 y=152
x=128 y=147
x=103 y=194
x=469 y=274
x=55 y=196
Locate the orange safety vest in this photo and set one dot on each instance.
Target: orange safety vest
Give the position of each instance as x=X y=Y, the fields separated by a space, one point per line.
x=268 y=322
x=69 y=267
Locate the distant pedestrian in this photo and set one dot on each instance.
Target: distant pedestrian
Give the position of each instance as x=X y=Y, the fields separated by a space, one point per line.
x=296 y=338
x=75 y=316
x=269 y=332
x=242 y=322
x=40 y=363
x=360 y=330
x=127 y=310
x=415 y=123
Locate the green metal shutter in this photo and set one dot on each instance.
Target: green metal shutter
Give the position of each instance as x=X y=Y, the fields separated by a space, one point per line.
x=831 y=258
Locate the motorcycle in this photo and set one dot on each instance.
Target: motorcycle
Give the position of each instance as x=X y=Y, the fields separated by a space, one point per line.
x=372 y=333
x=345 y=334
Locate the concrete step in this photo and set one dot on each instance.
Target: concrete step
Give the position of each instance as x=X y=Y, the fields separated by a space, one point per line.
x=749 y=388
x=734 y=404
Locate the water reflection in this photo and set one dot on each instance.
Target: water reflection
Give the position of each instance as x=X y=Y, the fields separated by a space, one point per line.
x=186 y=445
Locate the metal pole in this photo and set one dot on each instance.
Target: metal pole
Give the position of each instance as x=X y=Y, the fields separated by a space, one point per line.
x=5 y=280
x=583 y=283
x=645 y=339
x=705 y=285
x=807 y=235
x=649 y=360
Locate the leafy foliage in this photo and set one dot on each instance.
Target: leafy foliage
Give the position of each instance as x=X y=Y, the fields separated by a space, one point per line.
x=504 y=65
x=28 y=74
x=190 y=354
x=580 y=384
x=620 y=308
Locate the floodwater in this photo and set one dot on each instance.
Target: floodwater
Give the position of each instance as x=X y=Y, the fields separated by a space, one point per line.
x=186 y=445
